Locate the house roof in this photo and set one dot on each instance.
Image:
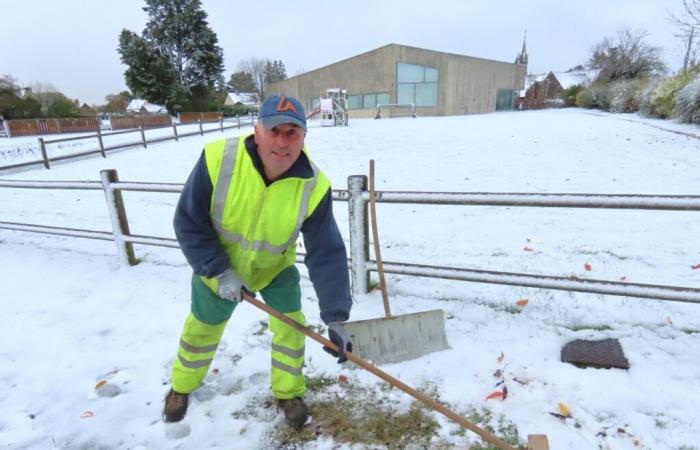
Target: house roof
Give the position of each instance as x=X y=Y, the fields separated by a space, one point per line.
x=566 y=79
x=141 y=105
x=244 y=98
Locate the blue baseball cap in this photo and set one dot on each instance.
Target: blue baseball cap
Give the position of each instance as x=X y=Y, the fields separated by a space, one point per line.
x=279 y=109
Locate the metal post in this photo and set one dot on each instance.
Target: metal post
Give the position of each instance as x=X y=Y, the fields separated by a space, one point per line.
x=201 y=132
x=143 y=136
x=117 y=215
x=175 y=133
x=221 y=122
x=43 y=152
x=99 y=139
x=239 y=120
x=359 y=234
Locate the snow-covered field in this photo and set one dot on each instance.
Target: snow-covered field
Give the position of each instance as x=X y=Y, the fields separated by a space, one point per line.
x=74 y=317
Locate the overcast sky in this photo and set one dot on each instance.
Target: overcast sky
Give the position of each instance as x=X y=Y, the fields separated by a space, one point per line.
x=71 y=44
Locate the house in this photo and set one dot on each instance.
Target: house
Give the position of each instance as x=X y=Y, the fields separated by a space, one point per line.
x=86 y=110
x=544 y=90
x=139 y=105
x=241 y=98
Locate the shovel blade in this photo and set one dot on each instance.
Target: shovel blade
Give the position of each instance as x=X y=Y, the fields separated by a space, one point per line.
x=398 y=338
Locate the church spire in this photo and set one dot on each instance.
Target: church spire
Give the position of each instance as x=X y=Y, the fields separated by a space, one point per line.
x=522 y=56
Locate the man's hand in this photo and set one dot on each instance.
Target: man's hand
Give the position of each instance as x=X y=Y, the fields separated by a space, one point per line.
x=230 y=286
x=338 y=336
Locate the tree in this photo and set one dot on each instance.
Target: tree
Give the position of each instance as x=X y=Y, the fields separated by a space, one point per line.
x=116 y=103
x=274 y=71
x=241 y=82
x=625 y=56
x=256 y=68
x=688 y=33
x=63 y=107
x=176 y=53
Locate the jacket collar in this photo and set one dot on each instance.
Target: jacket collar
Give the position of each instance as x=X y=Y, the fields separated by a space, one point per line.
x=300 y=169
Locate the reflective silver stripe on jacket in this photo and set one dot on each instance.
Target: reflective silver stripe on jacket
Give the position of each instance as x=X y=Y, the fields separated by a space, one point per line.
x=287 y=368
x=221 y=192
x=288 y=351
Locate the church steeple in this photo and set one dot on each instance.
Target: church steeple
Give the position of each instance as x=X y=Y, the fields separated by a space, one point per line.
x=522 y=56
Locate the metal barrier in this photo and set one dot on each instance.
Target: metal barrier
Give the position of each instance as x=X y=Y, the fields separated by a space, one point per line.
x=357 y=197
x=102 y=149
x=410 y=106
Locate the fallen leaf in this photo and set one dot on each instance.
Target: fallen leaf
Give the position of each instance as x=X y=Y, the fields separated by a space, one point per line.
x=522 y=302
x=495 y=395
x=636 y=442
x=501 y=357
x=505 y=392
x=669 y=321
x=588 y=267
x=695 y=267
x=623 y=278
x=215 y=371
x=527 y=249
x=86 y=414
x=558 y=416
x=564 y=410
x=519 y=381
x=498 y=373
x=342 y=379
x=100 y=384
x=527 y=239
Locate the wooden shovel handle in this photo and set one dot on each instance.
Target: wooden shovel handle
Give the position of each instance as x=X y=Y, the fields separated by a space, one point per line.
x=485 y=435
x=375 y=238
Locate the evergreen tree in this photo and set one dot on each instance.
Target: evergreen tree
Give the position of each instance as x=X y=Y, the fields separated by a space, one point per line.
x=242 y=81
x=177 y=56
x=274 y=71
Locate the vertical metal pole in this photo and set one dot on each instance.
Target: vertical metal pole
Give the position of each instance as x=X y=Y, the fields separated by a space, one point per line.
x=175 y=133
x=238 y=118
x=221 y=122
x=201 y=132
x=143 y=136
x=359 y=234
x=99 y=139
x=42 y=146
x=117 y=215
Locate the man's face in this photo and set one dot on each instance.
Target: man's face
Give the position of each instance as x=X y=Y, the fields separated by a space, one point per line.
x=278 y=147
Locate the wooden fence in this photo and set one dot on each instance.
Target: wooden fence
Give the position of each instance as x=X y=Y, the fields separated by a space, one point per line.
x=194 y=117
x=32 y=127
x=154 y=121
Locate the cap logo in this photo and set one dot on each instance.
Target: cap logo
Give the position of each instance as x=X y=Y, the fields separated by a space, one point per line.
x=285 y=105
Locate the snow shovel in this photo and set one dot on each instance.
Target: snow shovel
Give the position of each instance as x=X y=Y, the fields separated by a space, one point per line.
x=391 y=338
x=535 y=441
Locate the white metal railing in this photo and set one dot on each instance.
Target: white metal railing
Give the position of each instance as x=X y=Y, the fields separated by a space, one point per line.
x=357 y=197
x=410 y=106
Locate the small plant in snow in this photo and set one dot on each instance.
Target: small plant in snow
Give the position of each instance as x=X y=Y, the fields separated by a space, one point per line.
x=687 y=104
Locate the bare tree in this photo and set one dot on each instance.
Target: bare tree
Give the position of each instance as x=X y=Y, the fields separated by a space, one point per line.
x=688 y=23
x=626 y=56
x=256 y=68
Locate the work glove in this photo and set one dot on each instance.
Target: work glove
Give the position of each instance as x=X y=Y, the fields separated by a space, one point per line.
x=338 y=336
x=230 y=286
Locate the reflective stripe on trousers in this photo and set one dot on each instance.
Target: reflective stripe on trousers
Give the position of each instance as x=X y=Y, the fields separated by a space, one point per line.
x=287 y=378
x=196 y=351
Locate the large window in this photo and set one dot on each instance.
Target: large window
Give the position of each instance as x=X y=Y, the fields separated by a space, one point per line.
x=367 y=101
x=417 y=84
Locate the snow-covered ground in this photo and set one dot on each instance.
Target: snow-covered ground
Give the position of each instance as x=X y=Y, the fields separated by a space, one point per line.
x=74 y=317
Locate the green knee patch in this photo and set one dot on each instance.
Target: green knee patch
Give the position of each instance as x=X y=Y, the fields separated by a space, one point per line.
x=284 y=293
x=208 y=307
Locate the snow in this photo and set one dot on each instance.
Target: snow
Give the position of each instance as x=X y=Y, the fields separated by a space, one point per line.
x=74 y=316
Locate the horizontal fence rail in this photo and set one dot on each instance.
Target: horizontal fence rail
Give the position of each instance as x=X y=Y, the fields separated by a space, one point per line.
x=357 y=197
x=141 y=140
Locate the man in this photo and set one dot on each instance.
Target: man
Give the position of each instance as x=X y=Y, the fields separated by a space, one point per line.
x=237 y=222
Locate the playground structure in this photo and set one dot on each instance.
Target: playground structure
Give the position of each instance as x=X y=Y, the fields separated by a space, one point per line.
x=396 y=110
x=333 y=108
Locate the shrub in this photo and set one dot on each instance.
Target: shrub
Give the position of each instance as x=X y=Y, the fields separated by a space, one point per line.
x=666 y=92
x=645 y=97
x=569 y=94
x=687 y=102
x=594 y=96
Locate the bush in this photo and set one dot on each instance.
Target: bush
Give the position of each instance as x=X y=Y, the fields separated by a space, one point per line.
x=687 y=103
x=594 y=96
x=645 y=97
x=569 y=94
x=624 y=94
x=666 y=92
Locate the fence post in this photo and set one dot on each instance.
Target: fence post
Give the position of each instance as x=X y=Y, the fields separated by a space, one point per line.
x=143 y=136
x=201 y=132
x=117 y=215
x=239 y=120
x=175 y=133
x=359 y=234
x=42 y=146
x=221 y=123
x=99 y=139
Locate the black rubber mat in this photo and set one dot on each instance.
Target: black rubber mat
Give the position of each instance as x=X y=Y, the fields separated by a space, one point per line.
x=605 y=353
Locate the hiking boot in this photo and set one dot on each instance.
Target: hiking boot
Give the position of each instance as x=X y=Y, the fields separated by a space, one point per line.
x=295 y=411
x=175 y=406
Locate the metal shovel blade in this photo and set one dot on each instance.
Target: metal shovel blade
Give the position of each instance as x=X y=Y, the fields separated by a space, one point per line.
x=398 y=338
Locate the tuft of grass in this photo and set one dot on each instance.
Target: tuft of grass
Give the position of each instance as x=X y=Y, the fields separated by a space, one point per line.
x=690 y=331
x=594 y=327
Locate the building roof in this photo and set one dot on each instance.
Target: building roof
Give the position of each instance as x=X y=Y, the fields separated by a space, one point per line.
x=141 y=105
x=244 y=98
x=566 y=79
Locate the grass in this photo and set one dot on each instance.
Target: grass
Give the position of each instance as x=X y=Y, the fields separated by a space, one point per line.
x=594 y=327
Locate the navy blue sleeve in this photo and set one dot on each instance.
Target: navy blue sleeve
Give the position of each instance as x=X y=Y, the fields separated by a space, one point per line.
x=193 y=228
x=326 y=260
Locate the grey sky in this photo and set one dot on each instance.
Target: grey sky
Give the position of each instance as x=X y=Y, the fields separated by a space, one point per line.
x=72 y=44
